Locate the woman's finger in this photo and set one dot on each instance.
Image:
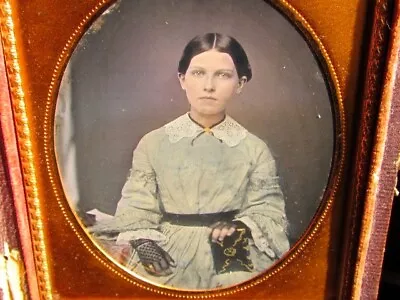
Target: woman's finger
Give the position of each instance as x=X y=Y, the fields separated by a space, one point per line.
x=231 y=230
x=150 y=269
x=215 y=225
x=164 y=264
x=224 y=231
x=157 y=267
x=215 y=234
x=169 y=259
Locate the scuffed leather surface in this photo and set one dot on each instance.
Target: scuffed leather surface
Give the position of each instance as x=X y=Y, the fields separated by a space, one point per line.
x=75 y=272
x=368 y=106
x=384 y=168
x=8 y=226
x=14 y=226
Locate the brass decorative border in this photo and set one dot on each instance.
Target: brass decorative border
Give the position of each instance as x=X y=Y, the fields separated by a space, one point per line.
x=337 y=166
x=25 y=148
x=30 y=176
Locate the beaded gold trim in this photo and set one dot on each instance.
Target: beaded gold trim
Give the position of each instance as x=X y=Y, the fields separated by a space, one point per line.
x=288 y=258
x=25 y=148
x=30 y=175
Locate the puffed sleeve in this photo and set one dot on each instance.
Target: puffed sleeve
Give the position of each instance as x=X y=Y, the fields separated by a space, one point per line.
x=264 y=208
x=138 y=212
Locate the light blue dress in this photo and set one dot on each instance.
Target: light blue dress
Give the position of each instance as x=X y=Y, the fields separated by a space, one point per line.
x=181 y=169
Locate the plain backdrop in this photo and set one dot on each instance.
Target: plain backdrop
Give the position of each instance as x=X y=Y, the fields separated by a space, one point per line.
x=124 y=84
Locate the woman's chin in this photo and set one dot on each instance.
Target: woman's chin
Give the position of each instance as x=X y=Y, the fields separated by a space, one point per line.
x=209 y=111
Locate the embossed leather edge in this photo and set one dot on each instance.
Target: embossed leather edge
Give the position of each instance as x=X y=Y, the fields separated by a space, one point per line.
x=9 y=236
x=370 y=94
x=374 y=66
x=19 y=156
x=382 y=176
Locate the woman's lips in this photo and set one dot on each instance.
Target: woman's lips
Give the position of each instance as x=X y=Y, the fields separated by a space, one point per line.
x=208 y=98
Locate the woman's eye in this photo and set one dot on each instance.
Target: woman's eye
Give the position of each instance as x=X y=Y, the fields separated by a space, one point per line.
x=197 y=73
x=224 y=75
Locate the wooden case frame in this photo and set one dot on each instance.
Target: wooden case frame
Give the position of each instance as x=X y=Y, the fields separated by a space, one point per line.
x=352 y=37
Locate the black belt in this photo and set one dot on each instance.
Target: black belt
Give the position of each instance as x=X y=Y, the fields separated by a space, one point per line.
x=198 y=219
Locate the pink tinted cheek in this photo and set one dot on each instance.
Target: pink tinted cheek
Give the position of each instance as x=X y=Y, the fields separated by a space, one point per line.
x=191 y=85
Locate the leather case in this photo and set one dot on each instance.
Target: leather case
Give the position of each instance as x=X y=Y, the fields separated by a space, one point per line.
x=338 y=256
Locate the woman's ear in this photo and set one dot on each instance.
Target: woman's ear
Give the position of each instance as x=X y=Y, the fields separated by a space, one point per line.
x=181 y=78
x=242 y=82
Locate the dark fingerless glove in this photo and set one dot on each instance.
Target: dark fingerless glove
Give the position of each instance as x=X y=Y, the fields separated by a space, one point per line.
x=148 y=250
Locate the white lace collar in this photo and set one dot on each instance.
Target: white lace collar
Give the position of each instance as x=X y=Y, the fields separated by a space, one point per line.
x=228 y=131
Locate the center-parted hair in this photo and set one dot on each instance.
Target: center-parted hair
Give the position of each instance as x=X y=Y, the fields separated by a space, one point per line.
x=221 y=43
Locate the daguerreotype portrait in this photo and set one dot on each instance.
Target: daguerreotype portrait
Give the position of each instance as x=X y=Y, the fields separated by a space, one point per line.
x=196 y=149
x=195 y=139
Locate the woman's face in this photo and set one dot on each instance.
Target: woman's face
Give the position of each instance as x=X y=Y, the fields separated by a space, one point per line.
x=210 y=82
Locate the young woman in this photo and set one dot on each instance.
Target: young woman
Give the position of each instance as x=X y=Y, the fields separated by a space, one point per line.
x=202 y=207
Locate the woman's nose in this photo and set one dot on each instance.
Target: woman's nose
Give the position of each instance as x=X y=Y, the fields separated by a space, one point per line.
x=209 y=85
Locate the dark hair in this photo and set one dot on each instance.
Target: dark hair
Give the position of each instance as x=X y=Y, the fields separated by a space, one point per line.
x=221 y=43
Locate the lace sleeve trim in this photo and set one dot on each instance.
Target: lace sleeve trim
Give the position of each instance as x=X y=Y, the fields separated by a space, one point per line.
x=147 y=178
x=258 y=183
x=272 y=240
x=259 y=240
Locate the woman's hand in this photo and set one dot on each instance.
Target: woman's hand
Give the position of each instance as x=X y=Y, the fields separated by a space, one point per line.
x=222 y=229
x=155 y=260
